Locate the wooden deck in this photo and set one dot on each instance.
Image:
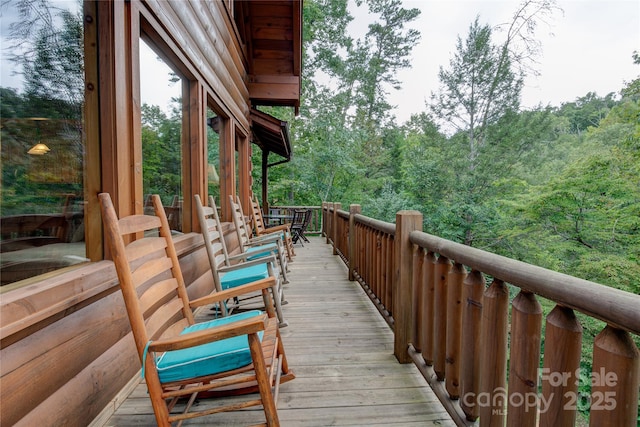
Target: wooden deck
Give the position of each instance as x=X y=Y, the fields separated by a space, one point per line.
x=341 y=351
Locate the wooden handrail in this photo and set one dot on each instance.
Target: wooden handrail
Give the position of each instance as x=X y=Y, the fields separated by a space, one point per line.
x=381 y=226
x=616 y=307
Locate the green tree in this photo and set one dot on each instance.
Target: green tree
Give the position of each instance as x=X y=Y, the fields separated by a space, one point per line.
x=161 y=153
x=343 y=151
x=587 y=111
x=478 y=99
x=478 y=88
x=585 y=221
x=385 y=50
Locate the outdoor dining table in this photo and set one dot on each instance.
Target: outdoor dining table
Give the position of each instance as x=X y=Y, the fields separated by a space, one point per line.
x=279 y=218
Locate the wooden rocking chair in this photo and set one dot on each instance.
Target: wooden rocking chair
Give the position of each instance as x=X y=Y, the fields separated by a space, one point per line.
x=252 y=244
x=181 y=359
x=284 y=230
x=230 y=271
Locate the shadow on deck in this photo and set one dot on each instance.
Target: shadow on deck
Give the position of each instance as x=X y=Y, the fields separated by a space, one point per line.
x=341 y=351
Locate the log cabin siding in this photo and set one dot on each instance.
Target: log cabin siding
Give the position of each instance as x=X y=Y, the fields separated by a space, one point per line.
x=210 y=54
x=65 y=341
x=75 y=354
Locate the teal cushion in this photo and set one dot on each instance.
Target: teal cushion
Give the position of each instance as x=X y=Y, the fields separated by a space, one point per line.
x=207 y=359
x=261 y=251
x=243 y=276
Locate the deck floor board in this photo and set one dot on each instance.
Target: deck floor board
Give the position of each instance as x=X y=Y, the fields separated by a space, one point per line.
x=341 y=351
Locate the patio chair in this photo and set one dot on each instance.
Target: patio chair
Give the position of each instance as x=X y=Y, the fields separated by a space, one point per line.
x=248 y=243
x=301 y=220
x=229 y=271
x=181 y=359
x=284 y=230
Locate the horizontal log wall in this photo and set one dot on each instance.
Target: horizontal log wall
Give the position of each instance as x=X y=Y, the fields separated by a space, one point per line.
x=456 y=329
x=67 y=349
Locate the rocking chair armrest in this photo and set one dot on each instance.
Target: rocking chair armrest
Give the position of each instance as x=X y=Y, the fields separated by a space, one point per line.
x=252 y=325
x=276 y=228
x=241 y=256
x=263 y=238
x=215 y=297
x=241 y=265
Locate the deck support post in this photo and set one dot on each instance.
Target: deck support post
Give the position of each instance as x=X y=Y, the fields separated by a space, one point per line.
x=353 y=256
x=402 y=306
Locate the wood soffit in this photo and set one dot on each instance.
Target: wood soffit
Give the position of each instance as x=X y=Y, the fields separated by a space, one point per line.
x=272 y=33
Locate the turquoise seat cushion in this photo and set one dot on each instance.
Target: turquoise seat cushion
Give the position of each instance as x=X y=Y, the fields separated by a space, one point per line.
x=261 y=251
x=207 y=359
x=243 y=276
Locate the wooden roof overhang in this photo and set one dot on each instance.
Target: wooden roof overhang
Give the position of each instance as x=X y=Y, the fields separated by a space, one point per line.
x=271 y=134
x=272 y=33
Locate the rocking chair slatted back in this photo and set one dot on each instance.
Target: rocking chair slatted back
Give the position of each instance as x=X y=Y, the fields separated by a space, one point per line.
x=237 y=355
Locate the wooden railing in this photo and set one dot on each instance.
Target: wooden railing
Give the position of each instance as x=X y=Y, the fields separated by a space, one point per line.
x=449 y=303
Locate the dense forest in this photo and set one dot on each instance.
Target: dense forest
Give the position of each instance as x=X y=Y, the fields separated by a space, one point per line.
x=555 y=186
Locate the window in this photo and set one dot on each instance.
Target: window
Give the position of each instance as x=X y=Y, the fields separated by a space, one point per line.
x=161 y=98
x=42 y=95
x=214 y=127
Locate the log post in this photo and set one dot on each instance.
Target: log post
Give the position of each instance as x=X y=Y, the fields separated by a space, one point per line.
x=454 y=329
x=428 y=311
x=406 y=222
x=615 y=379
x=493 y=356
x=524 y=360
x=353 y=255
x=472 y=300
x=334 y=227
x=562 y=349
x=443 y=266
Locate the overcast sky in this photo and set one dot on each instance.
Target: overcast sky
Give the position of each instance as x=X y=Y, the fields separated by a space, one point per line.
x=590 y=50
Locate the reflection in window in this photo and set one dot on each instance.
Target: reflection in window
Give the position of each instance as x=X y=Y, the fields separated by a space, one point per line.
x=160 y=89
x=214 y=125
x=42 y=95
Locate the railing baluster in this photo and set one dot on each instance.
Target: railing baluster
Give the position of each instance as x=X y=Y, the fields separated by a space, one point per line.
x=367 y=258
x=615 y=379
x=455 y=279
x=428 y=314
x=472 y=300
x=375 y=265
x=335 y=228
x=388 y=274
x=492 y=398
x=562 y=347
x=418 y=296
x=524 y=359
x=443 y=266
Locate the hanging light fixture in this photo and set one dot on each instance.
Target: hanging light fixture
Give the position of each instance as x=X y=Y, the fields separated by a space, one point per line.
x=39 y=149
